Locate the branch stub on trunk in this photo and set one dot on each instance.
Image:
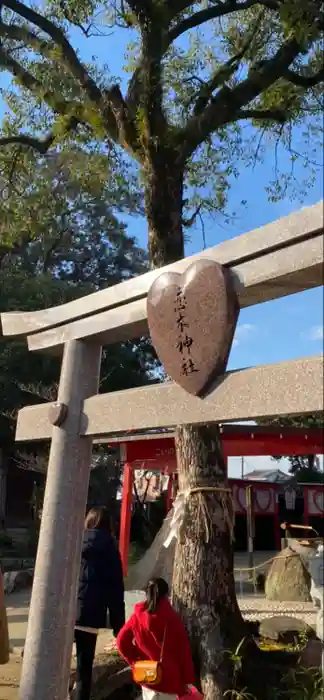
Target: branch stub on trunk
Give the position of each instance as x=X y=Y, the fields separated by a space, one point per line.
x=58 y=414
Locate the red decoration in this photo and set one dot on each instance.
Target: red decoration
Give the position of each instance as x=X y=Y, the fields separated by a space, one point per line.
x=237 y=440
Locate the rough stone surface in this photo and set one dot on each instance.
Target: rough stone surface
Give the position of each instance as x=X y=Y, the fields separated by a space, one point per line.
x=283 y=628
x=292 y=387
x=192 y=319
x=288 y=578
x=17 y=580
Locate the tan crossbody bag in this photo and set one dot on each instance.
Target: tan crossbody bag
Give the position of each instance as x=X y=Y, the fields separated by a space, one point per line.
x=149 y=672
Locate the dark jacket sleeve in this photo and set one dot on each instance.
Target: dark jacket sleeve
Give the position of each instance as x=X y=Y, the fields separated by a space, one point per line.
x=116 y=591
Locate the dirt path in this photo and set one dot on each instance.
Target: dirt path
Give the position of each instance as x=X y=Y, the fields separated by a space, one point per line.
x=9 y=679
x=253 y=607
x=17 y=612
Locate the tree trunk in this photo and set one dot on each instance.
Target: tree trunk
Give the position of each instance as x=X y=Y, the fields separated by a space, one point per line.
x=203 y=583
x=163 y=208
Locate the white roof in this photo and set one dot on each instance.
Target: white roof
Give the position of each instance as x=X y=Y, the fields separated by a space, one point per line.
x=272 y=475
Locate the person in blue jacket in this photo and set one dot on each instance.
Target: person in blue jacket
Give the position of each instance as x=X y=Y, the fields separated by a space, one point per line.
x=100 y=594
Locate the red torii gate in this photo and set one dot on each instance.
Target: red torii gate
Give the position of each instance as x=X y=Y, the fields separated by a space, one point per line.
x=157 y=452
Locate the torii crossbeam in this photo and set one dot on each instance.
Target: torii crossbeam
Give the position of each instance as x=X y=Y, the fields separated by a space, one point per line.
x=282 y=258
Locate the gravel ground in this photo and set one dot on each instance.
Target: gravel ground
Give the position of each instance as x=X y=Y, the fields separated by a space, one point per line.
x=254 y=607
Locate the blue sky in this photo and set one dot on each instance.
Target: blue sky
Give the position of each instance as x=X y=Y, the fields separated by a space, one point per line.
x=278 y=330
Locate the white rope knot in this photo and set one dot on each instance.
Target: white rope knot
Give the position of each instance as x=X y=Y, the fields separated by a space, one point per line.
x=180 y=509
x=178 y=517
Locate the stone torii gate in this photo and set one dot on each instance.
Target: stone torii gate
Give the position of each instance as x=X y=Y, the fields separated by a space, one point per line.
x=279 y=259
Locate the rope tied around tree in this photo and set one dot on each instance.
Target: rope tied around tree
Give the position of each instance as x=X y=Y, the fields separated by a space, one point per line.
x=180 y=515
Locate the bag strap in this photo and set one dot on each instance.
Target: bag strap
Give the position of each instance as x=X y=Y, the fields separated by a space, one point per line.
x=163 y=645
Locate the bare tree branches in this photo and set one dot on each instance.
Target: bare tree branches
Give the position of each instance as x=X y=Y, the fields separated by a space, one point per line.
x=188 y=223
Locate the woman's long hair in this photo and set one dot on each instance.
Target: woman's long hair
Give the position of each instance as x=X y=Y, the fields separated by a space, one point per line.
x=156 y=589
x=98 y=518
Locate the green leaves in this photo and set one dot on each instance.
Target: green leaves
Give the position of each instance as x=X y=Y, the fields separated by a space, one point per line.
x=60 y=238
x=301 y=19
x=235 y=63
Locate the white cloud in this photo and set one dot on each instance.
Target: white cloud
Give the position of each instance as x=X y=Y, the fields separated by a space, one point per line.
x=316 y=333
x=243 y=333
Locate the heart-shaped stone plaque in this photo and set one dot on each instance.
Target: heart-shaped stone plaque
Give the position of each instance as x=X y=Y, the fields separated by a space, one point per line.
x=192 y=319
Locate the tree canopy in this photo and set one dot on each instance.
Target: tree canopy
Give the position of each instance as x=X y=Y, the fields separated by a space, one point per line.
x=198 y=74
x=64 y=239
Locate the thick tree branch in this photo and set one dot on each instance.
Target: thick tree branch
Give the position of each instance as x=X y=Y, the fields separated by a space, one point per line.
x=58 y=37
x=221 y=75
x=154 y=119
x=225 y=106
x=28 y=38
x=29 y=82
x=305 y=81
x=126 y=131
x=213 y=12
x=26 y=79
x=145 y=91
x=275 y=115
x=110 y=104
x=40 y=145
x=177 y=7
x=142 y=9
x=188 y=223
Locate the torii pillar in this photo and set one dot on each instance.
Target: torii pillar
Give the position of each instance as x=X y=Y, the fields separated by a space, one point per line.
x=48 y=648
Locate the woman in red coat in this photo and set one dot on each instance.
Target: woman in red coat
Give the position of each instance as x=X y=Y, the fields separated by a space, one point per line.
x=154 y=628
